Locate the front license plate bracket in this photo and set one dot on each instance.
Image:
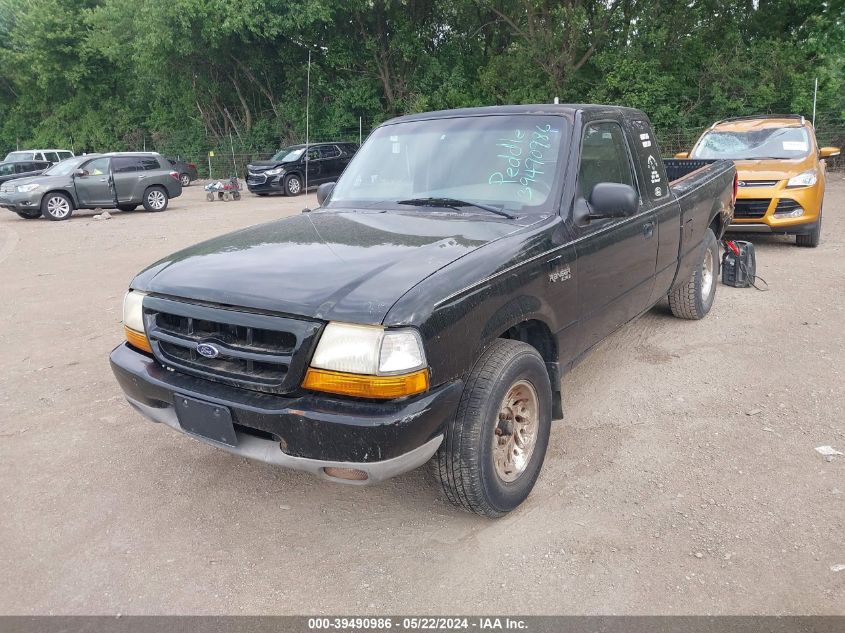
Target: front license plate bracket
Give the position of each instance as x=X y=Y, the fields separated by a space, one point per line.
x=206 y=419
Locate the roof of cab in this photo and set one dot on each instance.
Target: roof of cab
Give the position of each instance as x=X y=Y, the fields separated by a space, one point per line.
x=563 y=109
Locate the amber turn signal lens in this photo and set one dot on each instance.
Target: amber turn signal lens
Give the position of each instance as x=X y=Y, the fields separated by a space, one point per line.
x=137 y=339
x=361 y=386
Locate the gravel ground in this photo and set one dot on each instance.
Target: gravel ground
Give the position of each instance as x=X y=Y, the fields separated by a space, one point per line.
x=683 y=480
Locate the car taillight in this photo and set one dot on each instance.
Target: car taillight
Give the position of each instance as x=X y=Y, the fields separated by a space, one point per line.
x=736 y=190
x=175 y=175
x=192 y=166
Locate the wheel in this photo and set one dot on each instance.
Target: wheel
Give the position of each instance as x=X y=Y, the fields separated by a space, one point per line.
x=155 y=199
x=495 y=445
x=56 y=206
x=209 y=196
x=227 y=197
x=694 y=298
x=29 y=214
x=293 y=185
x=811 y=240
x=236 y=195
x=127 y=207
x=185 y=179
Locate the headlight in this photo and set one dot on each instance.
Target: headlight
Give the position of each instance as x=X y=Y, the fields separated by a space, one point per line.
x=368 y=362
x=805 y=179
x=274 y=172
x=133 y=320
x=27 y=188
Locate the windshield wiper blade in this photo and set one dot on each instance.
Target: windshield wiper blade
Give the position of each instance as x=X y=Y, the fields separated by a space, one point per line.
x=452 y=203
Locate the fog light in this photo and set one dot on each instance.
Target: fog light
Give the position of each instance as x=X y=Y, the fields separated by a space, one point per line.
x=795 y=213
x=351 y=474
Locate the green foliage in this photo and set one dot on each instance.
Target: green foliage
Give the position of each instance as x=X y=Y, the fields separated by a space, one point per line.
x=186 y=76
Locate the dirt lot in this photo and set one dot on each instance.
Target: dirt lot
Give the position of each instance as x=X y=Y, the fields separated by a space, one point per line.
x=683 y=480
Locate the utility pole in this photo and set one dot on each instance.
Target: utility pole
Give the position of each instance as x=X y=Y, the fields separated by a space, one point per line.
x=307 y=114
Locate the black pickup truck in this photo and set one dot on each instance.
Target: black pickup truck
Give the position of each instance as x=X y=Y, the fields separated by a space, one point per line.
x=463 y=261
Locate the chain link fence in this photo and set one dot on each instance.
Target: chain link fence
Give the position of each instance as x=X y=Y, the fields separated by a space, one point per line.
x=228 y=160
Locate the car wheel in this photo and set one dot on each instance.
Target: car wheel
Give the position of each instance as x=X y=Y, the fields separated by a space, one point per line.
x=185 y=179
x=155 y=199
x=293 y=185
x=29 y=215
x=56 y=206
x=127 y=207
x=694 y=298
x=811 y=240
x=495 y=446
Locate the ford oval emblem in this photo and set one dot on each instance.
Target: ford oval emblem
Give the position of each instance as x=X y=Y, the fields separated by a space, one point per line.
x=208 y=350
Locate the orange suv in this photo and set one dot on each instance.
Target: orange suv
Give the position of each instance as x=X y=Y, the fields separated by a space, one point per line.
x=780 y=171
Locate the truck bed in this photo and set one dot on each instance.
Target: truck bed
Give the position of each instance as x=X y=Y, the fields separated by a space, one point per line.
x=677 y=168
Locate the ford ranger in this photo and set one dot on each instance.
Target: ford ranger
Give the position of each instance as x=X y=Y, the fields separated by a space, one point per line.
x=427 y=310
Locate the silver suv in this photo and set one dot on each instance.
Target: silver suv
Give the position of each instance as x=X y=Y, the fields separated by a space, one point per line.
x=120 y=180
x=50 y=155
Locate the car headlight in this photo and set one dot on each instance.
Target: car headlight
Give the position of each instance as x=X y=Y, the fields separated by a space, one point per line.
x=274 y=172
x=368 y=362
x=804 y=179
x=28 y=187
x=133 y=320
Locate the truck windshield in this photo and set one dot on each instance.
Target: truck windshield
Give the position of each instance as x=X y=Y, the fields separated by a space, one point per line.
x=510 y=162
x=288 y=155
x=771 y=142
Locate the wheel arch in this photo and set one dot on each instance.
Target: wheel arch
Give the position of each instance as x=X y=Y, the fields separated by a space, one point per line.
x=70 y=194
x=536 y=333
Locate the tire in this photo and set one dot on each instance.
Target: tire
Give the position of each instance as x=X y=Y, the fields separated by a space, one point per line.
x=236 y=195
x=185 y=179
x=155 y=199
x=811 y=240
x=127 y=207
x=56 y=206
x=227 y=197
x=470 y=468
x=293 y=185
x=694 y=298
x=29 y=215
x=209 y=196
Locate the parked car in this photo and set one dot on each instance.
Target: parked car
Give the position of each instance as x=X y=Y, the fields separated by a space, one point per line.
x=187 y=171
x=52 y=156
x=21 y=169
x=121 y=180
x=285 y=172
x=461 y=264
x=781 y=173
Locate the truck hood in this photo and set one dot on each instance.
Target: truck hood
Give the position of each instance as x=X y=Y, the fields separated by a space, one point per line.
x=350 y=266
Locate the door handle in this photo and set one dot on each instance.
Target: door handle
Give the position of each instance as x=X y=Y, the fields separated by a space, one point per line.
x=648 y=229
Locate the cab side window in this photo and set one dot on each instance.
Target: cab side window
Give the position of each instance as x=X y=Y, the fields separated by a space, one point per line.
x=603 y=157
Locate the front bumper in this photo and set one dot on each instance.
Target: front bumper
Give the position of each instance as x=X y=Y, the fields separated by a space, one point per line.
x=309 y=432
x=15 y=201
x=265 y=184
x=762 y=206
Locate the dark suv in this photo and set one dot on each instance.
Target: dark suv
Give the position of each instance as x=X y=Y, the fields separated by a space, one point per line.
x=21 y=169
x=285 y=172
x=113 y=181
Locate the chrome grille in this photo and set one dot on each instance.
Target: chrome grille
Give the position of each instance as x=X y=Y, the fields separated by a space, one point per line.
x=7 y=187
x=756 y=183
x=256 y=179
x=253 y=351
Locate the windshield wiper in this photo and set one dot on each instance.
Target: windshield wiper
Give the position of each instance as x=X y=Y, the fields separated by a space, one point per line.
x=452 y=203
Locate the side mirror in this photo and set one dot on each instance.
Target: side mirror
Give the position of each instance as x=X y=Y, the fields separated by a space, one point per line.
x=324 y=191
x=78 y=173
x=613 y=200
x=828 y=152
x=682 y=155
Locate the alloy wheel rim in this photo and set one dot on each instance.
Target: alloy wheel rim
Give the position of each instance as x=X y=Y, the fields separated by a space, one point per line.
x=186 y=180
x=58 y=207
x=156 y=199
x=515 y=434
x=707 y=273
x=293 y=186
